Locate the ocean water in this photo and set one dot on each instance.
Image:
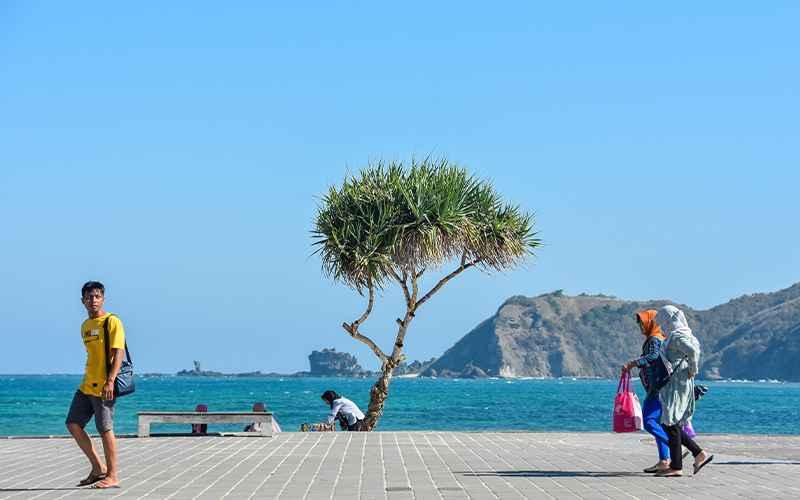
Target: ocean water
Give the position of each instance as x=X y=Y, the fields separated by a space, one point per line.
x=37 y=405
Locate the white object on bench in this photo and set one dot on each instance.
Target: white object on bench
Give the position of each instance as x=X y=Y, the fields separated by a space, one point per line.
x=214 y=417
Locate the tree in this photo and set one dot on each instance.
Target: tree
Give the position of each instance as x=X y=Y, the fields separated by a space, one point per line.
x=392 y=223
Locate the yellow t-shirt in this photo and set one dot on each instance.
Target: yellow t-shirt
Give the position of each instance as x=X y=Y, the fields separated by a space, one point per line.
x=94 y=340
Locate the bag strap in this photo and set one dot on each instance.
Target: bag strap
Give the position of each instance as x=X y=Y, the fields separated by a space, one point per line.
x=105 y=343
x=624 y=381
x=108 y=347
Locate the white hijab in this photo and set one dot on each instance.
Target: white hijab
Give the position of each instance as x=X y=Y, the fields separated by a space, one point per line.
x=672 y=320
x=673 y=323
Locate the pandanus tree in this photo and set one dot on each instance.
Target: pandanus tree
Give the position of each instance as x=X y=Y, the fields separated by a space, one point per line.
x=393 y=223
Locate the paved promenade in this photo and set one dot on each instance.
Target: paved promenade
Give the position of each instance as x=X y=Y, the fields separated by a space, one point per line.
x=404 y=465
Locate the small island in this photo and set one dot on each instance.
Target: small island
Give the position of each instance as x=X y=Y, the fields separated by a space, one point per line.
x=327 y=362
x=197 y=371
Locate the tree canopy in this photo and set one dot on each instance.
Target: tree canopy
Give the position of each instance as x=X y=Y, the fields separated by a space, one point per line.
x=393 y=218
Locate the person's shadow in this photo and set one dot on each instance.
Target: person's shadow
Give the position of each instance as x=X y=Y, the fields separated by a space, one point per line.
x=7 y=490
x=762 y=462
x=553 y=473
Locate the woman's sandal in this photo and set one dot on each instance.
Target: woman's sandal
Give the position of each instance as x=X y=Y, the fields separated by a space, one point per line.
x=102 y=486
x=669 y=473
x=703 y=464
x=655 y=468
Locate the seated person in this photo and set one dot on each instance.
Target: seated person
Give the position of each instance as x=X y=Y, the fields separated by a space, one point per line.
x=349 y=415
x=258 y=426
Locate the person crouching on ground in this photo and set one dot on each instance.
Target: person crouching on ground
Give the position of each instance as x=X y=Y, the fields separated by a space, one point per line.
x=349 y=415
x=682 y=351
x=259 y=426
x=651 y=410
x=95 y=396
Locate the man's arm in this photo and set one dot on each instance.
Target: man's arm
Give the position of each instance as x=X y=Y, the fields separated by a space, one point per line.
x=334 y=411
x=116 y=362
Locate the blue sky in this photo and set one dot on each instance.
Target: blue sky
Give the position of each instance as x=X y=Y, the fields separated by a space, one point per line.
x=176 y=152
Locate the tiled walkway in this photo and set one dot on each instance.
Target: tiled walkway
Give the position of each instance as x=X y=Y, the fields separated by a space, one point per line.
x=408 y=465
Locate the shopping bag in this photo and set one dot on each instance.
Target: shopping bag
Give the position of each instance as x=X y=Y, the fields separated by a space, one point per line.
x=627 y=410
x=689 y=429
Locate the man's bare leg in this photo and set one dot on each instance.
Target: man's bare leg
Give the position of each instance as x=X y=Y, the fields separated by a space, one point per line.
x=86 y=446
x=110 y=451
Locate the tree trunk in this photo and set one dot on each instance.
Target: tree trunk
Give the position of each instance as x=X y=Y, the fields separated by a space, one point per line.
x=378 y=395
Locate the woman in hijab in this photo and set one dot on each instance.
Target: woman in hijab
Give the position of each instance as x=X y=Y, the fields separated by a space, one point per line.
x=681 y=354
x=651 y=410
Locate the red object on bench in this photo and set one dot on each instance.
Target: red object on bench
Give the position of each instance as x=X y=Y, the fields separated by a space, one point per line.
x=200 y=428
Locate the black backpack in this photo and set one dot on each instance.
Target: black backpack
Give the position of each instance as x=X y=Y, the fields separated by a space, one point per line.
x=124 y=384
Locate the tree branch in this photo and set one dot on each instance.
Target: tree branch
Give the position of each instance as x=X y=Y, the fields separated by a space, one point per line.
x=414 y=290
x=464 y=266
x=352 y=328
x=366 y=314
x=403 y=281
x=397 y=350
x=366 y=340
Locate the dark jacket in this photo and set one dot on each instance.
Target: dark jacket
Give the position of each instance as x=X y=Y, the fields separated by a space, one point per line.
x=651 y=349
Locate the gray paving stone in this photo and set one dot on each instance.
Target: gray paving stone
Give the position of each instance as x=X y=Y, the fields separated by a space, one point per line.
x=419 y=465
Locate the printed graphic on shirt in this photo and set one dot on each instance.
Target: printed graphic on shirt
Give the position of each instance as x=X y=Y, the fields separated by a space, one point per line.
x=91 y=335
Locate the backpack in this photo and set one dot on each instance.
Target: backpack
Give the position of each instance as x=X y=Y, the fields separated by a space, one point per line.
x=124 y=384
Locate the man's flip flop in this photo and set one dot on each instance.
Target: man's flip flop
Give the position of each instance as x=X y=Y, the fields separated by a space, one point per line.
x=91 y=479
x=706 y=461
x=101 y=486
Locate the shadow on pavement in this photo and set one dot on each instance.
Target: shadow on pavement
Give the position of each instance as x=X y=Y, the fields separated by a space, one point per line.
x=555 y=473
x=7 y=490
x=765 y=462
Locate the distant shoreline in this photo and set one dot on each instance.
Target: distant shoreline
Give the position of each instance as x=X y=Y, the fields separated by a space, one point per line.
x=371 y=375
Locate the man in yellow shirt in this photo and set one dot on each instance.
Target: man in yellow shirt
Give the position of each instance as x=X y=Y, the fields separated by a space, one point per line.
x=95 y=396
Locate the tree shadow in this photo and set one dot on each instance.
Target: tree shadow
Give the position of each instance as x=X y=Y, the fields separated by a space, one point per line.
x=554 y=473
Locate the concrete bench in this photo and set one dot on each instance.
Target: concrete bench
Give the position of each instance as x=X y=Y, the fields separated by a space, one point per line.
x=215 y=417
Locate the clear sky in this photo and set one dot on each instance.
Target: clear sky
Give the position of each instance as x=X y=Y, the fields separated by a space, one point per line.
x=176 y=150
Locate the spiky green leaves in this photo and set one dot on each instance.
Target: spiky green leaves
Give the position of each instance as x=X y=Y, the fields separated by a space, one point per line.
x=393 y=217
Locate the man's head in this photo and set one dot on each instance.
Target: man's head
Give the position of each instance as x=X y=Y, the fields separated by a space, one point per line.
x=329 y=396
x=93 y=296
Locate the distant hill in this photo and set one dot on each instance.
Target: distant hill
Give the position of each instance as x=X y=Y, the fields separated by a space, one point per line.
x=554 y=335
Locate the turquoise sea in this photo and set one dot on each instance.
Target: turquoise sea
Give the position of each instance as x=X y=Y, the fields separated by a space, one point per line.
x=37 y=404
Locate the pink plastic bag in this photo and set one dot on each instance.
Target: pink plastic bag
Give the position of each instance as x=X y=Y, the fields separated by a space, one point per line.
x=627 y=410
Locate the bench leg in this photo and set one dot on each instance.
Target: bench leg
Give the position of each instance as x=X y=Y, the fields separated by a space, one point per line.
x=144 y=427
x=266 y=428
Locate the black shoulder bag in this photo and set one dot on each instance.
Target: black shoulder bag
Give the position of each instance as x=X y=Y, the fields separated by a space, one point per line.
x=123 y=385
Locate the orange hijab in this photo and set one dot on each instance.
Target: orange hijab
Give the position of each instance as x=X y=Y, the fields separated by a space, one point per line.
x=648 y=321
